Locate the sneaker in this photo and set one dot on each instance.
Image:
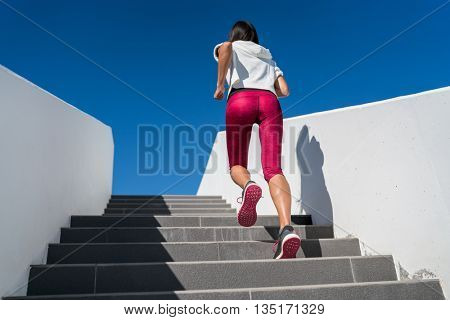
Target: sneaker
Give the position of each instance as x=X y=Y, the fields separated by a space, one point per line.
x=250 y=197
x=287 y=244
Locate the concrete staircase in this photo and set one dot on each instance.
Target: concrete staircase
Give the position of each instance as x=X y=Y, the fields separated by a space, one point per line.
x=191 y=247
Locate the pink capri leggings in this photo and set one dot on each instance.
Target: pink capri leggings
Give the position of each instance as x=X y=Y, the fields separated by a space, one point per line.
x=244 y=108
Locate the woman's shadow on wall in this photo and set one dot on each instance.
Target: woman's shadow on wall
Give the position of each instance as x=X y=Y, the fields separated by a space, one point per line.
x=314 y=197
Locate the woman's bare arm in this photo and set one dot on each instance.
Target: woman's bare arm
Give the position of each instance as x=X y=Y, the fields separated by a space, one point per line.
x=281 y=87
x=224 y=53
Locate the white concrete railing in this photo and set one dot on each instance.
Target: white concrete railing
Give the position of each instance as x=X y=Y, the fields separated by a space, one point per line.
x=55 y=161
x=378 y=171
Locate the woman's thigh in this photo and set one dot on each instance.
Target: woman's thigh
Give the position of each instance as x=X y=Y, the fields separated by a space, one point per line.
x=270 y=135
x=241 y=114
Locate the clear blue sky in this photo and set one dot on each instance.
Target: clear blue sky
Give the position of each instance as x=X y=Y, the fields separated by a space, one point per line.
x=164 y=50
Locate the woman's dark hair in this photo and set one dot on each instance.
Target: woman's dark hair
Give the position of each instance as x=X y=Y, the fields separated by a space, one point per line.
x=243 y=30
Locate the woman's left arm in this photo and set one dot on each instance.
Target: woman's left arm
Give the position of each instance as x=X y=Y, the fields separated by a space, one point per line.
x=224 y=52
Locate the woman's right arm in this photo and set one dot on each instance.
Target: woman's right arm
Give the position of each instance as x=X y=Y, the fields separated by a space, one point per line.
x=224 y=52
x=281 y=87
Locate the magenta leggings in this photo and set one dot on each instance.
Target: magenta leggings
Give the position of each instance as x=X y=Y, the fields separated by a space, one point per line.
x=244 y=108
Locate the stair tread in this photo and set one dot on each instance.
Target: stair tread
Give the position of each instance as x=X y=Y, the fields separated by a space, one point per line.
x=194 y=243
x=202 y=216
x=434 y=292
x=175 y=220
x=168 y=211
x=167 y=200
x=187 y=234
x=168 y=214
x=160 y=276
x=215 y=216
x=320 y=259
x=225 y=209
x=151 y=196
x=206 y=227
x=192 y=251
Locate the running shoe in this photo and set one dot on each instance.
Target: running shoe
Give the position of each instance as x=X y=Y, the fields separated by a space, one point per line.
x=250 y=196
x=287 y=244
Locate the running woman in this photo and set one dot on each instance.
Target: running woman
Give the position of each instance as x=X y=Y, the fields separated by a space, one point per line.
x=255 y=84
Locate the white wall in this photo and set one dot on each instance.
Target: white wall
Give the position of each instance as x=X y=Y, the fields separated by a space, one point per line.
x=379 y=171
x=55 y=161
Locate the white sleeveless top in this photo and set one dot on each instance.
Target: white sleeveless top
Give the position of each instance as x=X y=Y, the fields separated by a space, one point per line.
x=251 y=67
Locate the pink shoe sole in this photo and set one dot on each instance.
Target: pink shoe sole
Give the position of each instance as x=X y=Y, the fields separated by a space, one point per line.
x=247 y=214
x=290 y=247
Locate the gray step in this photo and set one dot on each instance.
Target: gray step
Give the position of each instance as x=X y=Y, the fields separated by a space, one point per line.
x=176 y=221
x=172 y=276
x=186 y=234
x=167 y=201
x=197 y=251
x=169 y=214
x=186 y=205
x=156 y=211
x=380 y=290
x=164 y=196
